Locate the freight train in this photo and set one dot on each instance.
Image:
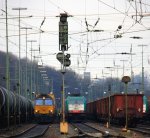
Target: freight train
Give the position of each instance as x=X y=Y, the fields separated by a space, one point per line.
x=44 y=108
x=14 y=108
x=114 y=108
x=75 y=108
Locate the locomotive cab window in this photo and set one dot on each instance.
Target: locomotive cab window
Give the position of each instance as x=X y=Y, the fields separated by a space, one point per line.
x=48 y=102
x=39 y=102
x=74 y=101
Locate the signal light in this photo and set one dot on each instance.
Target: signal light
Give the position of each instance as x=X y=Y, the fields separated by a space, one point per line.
x=60 y=56
x=63 y=32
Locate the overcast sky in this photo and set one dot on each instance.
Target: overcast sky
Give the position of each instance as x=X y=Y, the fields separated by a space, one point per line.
x=90 y=51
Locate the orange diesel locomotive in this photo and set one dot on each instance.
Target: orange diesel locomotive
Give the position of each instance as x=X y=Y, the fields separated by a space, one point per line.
x=44 y=108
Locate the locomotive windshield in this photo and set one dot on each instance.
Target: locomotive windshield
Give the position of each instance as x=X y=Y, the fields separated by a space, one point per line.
x=48 y=102
x=43 y=102
x=39 y=102
x=76 y=101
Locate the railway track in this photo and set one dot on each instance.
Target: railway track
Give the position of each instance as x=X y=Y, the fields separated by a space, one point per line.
x=144 y=129
x=36 y=131
x=88 y=131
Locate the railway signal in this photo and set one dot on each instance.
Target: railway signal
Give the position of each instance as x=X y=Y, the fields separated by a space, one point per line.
x=126 y=79
x=63 y=32
x=63 y=59
x=65 y=62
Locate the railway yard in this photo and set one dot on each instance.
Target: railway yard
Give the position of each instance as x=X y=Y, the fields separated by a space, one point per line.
x=84 y=130
x=88 y=75
x=112 y=116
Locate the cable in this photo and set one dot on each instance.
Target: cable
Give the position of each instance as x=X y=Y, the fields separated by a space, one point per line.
x=120 y=12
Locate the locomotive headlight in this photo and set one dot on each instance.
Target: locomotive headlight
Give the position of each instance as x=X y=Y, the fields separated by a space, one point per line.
x=51 y=111
x=36 y=111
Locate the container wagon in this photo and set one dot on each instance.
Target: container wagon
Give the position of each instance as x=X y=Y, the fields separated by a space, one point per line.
x=100 y=108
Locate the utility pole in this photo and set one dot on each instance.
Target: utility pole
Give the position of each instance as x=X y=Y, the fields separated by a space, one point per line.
x=123 y=66
x=7 y=66
x=63 y=89
x=110 y=69
x=142 y=69
x=31 y=68
x=103 y=80
x=36 y=74
x=104 y=75
x=109 y=94
x=26 y=70
x=132 y=77
x=34 y=70
x=117 y=82
x=19 y=70
x=123 y=69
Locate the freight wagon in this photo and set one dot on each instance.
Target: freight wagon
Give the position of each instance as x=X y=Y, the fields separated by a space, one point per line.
x=14 y=108
x=44 y=108
x=76 y=108
x=117 y=102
